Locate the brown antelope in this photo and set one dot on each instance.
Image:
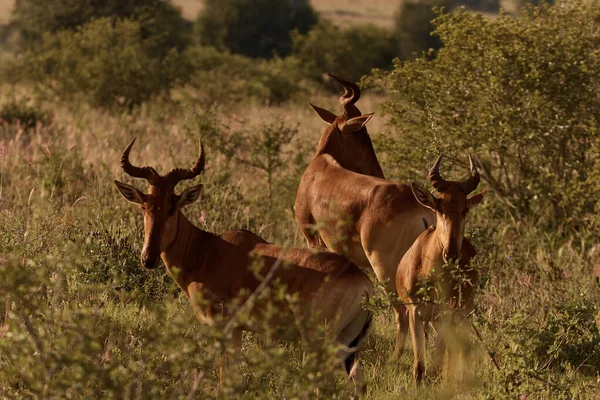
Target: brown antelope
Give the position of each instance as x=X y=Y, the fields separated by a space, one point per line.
x=345 y=180
x=346 y=138
x=217 y=267
x=424 y=279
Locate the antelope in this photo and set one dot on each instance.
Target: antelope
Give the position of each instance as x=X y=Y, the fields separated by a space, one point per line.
x=217 y=267
x=424 y=279
x=344 y=179
x=346 y=138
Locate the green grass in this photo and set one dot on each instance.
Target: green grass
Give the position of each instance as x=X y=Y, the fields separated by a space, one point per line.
x=69 y=264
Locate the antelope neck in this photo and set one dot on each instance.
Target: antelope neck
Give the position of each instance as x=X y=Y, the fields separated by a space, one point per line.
x=187 y=251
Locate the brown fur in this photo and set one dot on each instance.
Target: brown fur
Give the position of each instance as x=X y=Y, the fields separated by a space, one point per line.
x=426 y=261
x=349 y=146
x=217 y=269
x=371 y=220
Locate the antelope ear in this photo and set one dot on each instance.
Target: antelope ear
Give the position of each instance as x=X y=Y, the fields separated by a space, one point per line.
x=189 y=195
x=423 y=196
x=356 y=123
x=325 y=115
x=474 y=200
x=130 y=193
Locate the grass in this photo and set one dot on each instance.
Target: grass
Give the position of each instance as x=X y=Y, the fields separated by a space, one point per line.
x=60 y=210
x=79 y=317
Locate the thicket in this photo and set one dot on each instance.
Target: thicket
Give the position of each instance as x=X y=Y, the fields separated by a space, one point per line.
x=104 y=52
x=254 y=28
x=222 y=77
x=160 y=21
x=350 y=51
x=106 y=62
x=519 y=93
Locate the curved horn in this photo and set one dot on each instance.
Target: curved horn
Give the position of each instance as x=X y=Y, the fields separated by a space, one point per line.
x=473 y=180
x=179 y=174
x=350 y=97
x=147 y=173
x=434 y=175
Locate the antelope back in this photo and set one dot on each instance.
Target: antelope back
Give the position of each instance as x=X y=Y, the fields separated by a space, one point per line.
x=346 y=138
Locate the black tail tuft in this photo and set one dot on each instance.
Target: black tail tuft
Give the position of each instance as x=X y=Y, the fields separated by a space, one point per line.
x=351 y=359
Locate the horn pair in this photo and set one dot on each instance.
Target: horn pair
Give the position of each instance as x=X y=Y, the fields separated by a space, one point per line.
x=154 y=178
x=440 y=183
x=350 y=97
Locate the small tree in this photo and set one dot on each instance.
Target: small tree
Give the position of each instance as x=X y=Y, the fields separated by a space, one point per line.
x=256 y=28
x=350 y=52
x=413 y=30
x=106 y=62
x=521 y=93
x=159 y=20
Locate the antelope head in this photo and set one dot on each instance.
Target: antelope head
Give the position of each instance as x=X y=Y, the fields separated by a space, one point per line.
x=346 y=138
x=161 y=204
x=451 y=206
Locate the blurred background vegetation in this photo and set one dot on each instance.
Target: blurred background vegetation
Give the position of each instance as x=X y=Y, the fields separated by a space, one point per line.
x=517 y=89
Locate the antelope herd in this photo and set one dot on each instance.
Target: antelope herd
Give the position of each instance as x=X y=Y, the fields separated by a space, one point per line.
x=411 y=239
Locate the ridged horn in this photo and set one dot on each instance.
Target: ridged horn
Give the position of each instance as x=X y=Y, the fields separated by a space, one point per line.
x=473 y=180
x=147 y=173
x=350 y=96
x=434 y=175
x=178 y=174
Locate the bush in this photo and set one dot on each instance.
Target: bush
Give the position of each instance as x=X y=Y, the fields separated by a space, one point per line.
x=159 y=20
x=107 y=62
x=413 y=29
x=255 y=28
x=529 y=113
x=23 y=114
x=223 y=77
x=349 y=52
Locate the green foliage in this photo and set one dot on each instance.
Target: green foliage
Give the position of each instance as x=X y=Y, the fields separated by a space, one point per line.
x=273 y=148
x=529 y=113
x=63 y=336
x=21 y=113
x=160 y=21
x=266 y=149
x=413 y=28
x=350 y=52
x=255 y=28
x=80 y=317
x=106 y=62
x=223 y=77
x=112 y=260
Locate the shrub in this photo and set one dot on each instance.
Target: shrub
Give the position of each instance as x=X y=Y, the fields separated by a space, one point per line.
x=160 y=21
x=522 y=94
x=350 y=52
x=106 y=61
x=255 y=28
x=23 y=114
x=413 y=29
x=223 y=77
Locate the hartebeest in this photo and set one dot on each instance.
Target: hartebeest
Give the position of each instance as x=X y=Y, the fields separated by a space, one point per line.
x=347 y=141
x=435 y=273
x=346 y=138
x=345 y=182
x=329 y=287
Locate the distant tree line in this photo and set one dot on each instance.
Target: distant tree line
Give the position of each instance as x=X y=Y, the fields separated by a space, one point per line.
x=122 y=53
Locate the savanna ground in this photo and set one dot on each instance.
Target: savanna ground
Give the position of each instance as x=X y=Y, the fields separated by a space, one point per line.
x=81 y=318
